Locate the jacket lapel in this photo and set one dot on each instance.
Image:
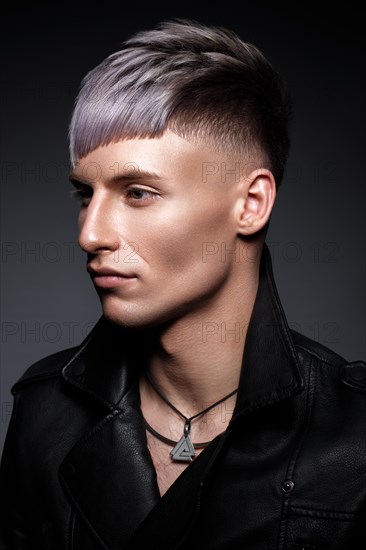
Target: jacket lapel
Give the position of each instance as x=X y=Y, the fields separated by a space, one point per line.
x=109 y=478
x=171 y=520
x=108 y=475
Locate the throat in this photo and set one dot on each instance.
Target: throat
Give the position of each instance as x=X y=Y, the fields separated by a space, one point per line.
x=183 y=449
x=178 y=427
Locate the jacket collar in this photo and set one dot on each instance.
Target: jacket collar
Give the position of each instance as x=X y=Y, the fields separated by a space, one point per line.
x=270 y=368
x=101 y=367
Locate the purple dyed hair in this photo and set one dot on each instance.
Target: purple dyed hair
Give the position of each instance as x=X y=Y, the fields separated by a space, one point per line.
x=200 y=82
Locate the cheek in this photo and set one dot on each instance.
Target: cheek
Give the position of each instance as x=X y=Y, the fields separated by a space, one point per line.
x=183 y=239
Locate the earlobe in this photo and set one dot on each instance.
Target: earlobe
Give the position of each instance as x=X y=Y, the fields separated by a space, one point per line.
x=258 y=195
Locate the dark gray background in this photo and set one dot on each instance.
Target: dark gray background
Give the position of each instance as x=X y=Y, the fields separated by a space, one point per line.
x=317 y=233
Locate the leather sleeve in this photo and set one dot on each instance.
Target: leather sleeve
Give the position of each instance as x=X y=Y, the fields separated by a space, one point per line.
x=13 y=529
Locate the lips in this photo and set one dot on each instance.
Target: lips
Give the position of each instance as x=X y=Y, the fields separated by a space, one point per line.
x=107 y=272
x=106 y=278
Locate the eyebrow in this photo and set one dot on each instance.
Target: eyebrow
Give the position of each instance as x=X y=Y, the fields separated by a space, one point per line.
x=126 y=176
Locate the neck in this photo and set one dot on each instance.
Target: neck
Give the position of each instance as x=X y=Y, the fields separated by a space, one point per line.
x=196 y=360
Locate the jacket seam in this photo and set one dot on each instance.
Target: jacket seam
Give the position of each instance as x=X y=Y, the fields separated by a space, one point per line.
x=322 y=511
x=91 y=393
x=344 y=516
x=314 y=354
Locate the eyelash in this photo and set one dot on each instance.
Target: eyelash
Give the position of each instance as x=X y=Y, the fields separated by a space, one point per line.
x=81 y=194
x=151 y=194
x=78 y=194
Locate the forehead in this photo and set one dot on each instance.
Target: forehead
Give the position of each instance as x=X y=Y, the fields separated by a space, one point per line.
x=162 y=157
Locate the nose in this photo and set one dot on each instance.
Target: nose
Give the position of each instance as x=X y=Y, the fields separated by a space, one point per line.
x=97 y=230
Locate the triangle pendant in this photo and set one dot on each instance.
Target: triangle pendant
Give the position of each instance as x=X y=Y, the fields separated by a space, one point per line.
x=184 y=450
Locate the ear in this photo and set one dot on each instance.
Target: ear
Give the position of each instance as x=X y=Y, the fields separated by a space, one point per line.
x=257 y=196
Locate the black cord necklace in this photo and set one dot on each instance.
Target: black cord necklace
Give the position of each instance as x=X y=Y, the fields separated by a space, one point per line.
x=184 y=449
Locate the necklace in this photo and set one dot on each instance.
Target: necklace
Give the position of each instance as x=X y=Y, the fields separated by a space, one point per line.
x=184 y=449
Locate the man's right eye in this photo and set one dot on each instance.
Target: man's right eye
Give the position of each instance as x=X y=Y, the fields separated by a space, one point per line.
x=82 y=194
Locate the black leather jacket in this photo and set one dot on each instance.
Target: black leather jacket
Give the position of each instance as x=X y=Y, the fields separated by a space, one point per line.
x=288 y=473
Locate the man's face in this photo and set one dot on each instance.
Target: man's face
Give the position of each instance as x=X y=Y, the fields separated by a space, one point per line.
x=157 y=212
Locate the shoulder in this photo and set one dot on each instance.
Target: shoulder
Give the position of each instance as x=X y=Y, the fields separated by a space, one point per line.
x=50 y=366
x=350 y=373
x=308 y=346
x=45 y=368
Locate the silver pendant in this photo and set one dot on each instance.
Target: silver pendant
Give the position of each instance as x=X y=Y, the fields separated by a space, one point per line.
x=184 y=450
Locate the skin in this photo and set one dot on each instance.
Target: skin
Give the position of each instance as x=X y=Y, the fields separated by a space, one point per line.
x=173 y=232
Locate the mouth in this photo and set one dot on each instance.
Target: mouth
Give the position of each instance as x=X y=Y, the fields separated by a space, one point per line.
x=108 y=278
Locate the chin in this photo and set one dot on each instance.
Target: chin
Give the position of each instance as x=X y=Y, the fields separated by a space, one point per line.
x=128 y=317
x=133 y=317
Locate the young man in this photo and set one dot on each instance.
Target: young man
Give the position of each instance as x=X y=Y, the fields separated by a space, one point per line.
x=191 y=416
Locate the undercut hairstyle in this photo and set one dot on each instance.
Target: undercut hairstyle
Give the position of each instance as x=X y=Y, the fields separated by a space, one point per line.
x=202 y=83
